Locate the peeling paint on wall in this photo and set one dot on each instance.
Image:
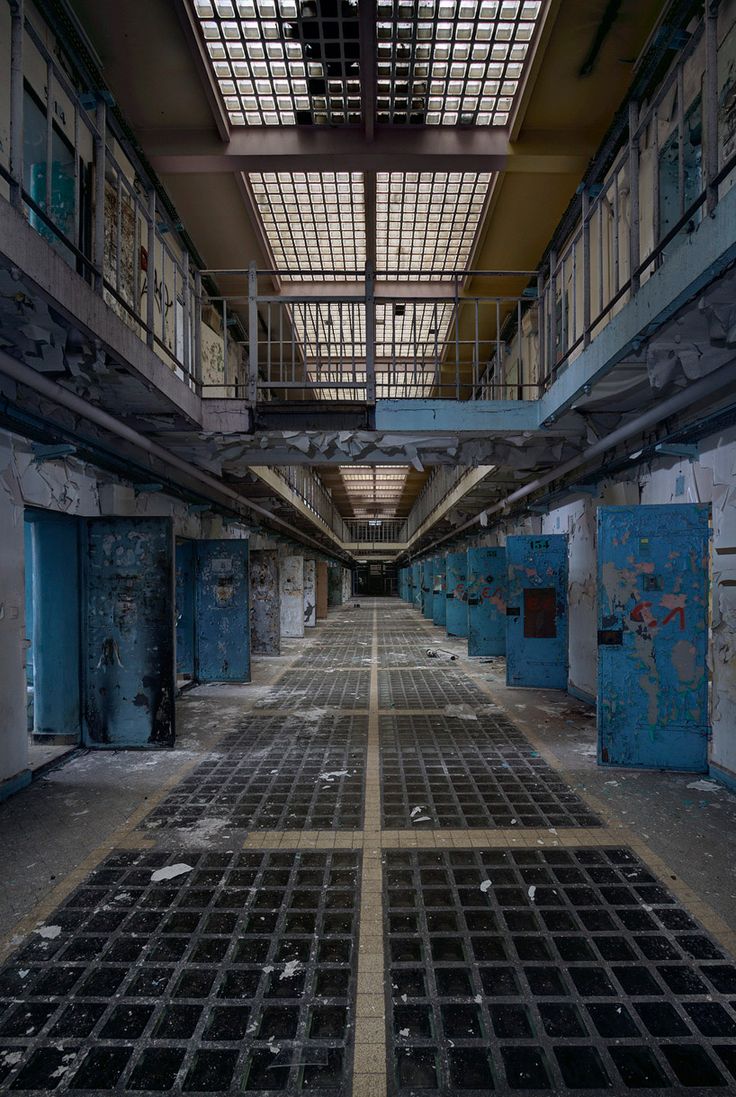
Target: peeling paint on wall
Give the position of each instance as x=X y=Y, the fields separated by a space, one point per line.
x=265 y=604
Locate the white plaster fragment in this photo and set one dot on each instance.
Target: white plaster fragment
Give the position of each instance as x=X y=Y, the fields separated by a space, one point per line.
x=170 y=872
x=49 y=933
x=485 y=886
x=532 y=892
x=290 y=970
x=705 y=786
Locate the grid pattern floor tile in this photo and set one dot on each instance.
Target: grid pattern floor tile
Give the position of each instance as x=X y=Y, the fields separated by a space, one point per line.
x=569 y=971
x=237 y=976
x=434 y=687
x=291 y=779
x=470 y=771
x=336 y=689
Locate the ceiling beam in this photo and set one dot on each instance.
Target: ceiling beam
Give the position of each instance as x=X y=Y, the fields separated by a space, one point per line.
x=393 y=148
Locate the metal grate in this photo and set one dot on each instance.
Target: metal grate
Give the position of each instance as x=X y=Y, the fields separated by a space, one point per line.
x=573 y=971
x=306 y=776
x=282 y=62
x=479 y=771
x=452 y=62
x=346 y=689
x=238 y=976
x=431 y=688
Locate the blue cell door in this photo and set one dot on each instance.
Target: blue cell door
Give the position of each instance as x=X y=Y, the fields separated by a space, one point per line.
x=456 y=614
x=416 y=585
x=485 y=589
x=221 y=612
x=536 y=612
x=439 y=601
x=427 y=588
x=653 y=636
x=128 y=632
x=185 y=553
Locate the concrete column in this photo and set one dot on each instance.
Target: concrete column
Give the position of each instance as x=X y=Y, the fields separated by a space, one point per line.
x=321 y=589
x=310 y=593
x=347 y=584
x=265 y=603
x=14 y=772
x=291 y=586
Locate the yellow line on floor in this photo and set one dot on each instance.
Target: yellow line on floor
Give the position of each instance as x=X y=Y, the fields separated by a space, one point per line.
x=369 y=1071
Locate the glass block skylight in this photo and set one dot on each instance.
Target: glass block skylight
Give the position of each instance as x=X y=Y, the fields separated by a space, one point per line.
x=427 y=221
x=372 y=489
x=284 y=62
x=313 y=221
x=297 y=62
x=452 y=62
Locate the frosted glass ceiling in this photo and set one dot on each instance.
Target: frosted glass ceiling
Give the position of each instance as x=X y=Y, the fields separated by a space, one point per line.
x=297 y=62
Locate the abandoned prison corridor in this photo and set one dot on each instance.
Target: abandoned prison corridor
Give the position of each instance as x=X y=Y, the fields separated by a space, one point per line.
x=372 y=881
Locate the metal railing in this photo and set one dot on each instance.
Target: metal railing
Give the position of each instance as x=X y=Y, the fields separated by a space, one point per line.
x=308 y=486
x=376 y=530
x=82 y=190
x=358 y=336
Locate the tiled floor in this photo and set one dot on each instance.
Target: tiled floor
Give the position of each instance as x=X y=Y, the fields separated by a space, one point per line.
x=378 y=884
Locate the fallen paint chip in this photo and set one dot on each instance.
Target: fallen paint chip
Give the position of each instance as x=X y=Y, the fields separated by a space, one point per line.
x=705 y=786
x=170 y=872
x=292 y=967
x=532 y=892
x=423 y=819
x=335 y=773
x=417 y=811
x=50 y=933
x=404 y=1032
x=485 y=886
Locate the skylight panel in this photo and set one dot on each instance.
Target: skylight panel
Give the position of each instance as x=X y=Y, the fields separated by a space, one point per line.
x=314 y=222
x=452 y=62
x=428 y=221
x=284 y=62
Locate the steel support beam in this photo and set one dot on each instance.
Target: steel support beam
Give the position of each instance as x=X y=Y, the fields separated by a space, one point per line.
x=392 y=148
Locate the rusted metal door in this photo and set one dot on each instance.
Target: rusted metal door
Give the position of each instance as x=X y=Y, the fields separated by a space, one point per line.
x=185 y=551
x=536 y=612
x=456 y=617
x=653 y=636
x=321 y=588
x=222 y=618
x=128 y=632
x=265 y=621
x=439 y=601
x=485 y=588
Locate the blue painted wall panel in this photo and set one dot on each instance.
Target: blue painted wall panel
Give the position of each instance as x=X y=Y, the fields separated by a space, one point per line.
x=536 y=613
x=128 y=644
x=222 y=615
x=653 y=636
x=185 y=551
x=456 y=614
x=486 y=599
x=439 y=599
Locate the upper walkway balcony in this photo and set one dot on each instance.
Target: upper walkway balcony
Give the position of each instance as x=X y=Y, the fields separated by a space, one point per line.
x=430 y=350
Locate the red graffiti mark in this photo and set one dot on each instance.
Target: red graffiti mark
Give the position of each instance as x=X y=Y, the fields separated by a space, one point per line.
x=637 y=613
x=677 y=611
x=459 y=590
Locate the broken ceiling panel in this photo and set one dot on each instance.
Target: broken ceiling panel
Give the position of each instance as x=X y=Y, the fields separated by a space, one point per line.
x=453 y=62
x=283 y=62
